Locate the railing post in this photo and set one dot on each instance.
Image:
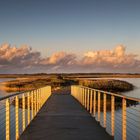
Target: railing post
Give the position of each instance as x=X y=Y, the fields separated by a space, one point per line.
x=104 y=110
x=28 y=107
x=71 y=90
x=112 y=114
x=85 y=97
x=88 y=92
x=38 y=100
x=16 y=118
x=35 y=102
x=94 y=109
x=32 y=104
x=42 y=96
x=99 y=105
x=123 y=119
x=23 y=112
x=7 y=128
x=91 y=101
x=75 y=90
x=81 y=95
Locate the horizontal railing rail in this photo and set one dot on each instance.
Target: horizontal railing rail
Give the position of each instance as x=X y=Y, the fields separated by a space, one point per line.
x=115 y=94
x=19 y=109
x=14 y=94
x=118 y=114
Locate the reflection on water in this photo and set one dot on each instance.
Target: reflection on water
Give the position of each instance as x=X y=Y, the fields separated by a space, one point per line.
x=135 y=81
x=133 y=123
x=2 y=92
x=132 y=115
x=6 y=79
x=12 y=120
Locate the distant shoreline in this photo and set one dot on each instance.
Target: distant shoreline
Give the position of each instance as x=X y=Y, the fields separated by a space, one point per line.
x=74 y=75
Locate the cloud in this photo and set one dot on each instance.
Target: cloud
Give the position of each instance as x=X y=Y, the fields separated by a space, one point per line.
x=24 y=60
x=13 y=58
x=61 y=58
x=116 y=58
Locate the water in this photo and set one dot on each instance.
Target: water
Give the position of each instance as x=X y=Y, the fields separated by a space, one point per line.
x=135 y=81
x=6 y=79
x=133 y=114
x=12 y=114
x=2 y=92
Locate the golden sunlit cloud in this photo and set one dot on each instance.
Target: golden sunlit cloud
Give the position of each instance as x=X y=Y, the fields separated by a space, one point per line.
x=116 y=57
x=24 y=60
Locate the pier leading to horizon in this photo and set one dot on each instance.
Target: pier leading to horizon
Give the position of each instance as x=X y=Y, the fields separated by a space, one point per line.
x=80 y=113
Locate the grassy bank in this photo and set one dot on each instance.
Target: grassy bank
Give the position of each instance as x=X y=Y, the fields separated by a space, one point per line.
x=110 y=85
x=58 y=82
x=31 y=83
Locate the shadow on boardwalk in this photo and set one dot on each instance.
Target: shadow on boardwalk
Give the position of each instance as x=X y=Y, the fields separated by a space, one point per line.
x=63 y=118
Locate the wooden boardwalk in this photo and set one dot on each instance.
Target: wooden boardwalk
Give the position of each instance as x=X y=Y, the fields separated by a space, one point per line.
x=63 y=118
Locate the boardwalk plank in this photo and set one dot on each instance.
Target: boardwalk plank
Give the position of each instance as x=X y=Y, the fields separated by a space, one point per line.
x=63 y=118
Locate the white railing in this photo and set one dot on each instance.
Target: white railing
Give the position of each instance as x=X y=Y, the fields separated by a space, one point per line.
x=118 y=114
x=18 y=110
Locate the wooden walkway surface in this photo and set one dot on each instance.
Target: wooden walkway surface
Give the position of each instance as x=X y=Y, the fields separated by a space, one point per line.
x=63 y=118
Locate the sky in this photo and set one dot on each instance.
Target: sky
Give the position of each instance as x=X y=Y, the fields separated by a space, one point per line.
x=69 y=36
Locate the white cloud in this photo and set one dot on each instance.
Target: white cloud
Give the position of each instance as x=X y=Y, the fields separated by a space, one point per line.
x=114 y=58
x=23 y=59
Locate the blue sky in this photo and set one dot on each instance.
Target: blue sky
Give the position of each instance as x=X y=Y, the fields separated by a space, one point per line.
x=74 y=26
x=71 y=25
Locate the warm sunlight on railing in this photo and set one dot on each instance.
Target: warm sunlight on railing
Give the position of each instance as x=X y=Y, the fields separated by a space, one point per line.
x=118 y=114
x=18 y=110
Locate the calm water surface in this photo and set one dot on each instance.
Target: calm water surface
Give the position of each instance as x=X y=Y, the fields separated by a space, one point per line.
x=4 y=93
x=133 y=114
x=12 y=114
x=135 y=81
